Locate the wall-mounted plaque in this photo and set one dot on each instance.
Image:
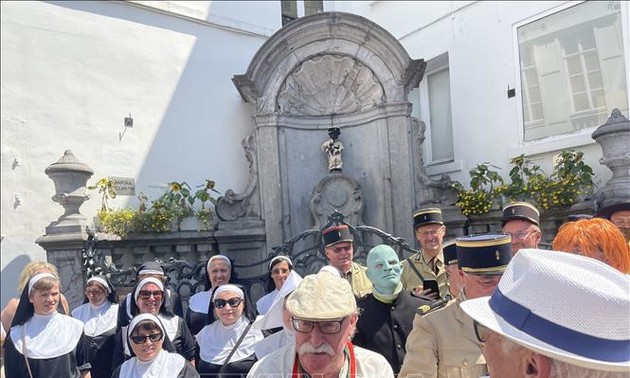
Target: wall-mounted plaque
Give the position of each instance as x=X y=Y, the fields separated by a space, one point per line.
x=124 y=186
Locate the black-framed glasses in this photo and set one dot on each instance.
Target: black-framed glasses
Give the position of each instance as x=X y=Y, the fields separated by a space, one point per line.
x=146 y=294
x=328 y=327
x=141 y=339
x=481 y=331
x=233 y=302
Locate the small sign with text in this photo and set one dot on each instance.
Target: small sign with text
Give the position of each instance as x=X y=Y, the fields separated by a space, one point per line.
x=124 y=186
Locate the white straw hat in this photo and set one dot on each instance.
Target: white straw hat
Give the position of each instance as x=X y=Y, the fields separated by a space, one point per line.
x=568 y=307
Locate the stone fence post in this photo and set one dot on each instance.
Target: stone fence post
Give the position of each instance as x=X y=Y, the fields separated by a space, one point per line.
x=65 y=237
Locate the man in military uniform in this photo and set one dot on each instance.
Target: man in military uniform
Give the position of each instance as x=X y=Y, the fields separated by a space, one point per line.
x=387 y=314
x=521 y=220
x=442 y=343
x=453 y=275
x=619 y=215
x=340 y=252
x=428 y=264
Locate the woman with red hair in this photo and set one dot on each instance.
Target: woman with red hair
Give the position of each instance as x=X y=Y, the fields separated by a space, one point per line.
x=597 y=238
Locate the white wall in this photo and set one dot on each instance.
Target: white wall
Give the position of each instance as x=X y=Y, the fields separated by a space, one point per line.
x=479 y=39
x=72 y=71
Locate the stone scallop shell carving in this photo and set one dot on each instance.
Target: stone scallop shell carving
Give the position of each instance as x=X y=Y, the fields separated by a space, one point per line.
x=329 y=84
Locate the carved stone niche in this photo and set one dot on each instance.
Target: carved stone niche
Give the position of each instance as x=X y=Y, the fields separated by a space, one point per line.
x=337 y=191
x=330 y=69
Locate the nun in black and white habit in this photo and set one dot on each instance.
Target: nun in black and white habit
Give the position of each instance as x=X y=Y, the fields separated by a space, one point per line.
x=42 y=342
x=144 y=338
x=99 y=314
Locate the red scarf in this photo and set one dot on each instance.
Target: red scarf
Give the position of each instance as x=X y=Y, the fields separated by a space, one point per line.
x=298 y=371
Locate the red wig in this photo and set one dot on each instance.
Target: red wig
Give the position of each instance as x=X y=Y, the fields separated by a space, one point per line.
x=590 y=237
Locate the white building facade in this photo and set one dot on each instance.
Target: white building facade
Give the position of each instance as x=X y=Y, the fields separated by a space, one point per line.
x=502 y=79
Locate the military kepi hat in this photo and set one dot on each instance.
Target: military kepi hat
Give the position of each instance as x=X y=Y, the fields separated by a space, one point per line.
x=337 y=234
x=450 y=253
x=521 y=210
x=484 y=254
x=609 y=210
x=427 y=216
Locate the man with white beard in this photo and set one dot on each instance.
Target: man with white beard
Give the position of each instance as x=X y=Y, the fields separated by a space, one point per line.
x=324 y=316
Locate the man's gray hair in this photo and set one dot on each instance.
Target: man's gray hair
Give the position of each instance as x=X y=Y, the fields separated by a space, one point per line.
x=560 y=369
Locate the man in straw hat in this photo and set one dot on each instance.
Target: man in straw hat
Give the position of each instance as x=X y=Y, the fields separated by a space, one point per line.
x=555 y=315
x=340 y=251
x=521 y=220
x=428 y=264
x=324 y=317
x=442 y=343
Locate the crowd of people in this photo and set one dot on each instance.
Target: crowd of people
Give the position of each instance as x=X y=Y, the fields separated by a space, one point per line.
x=480 y=305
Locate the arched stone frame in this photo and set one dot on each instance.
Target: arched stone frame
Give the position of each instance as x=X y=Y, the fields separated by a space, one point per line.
x=341 y=35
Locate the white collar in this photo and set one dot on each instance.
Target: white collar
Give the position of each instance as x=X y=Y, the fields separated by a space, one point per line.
x=216 y=341
x=164 y=365
x=200 y=302
x=97 y=320
x=47 y=336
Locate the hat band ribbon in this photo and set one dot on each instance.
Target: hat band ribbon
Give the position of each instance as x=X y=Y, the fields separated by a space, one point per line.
x=556 y=335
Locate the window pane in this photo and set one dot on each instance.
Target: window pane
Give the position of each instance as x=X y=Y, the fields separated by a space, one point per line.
x=532 y=77
x=574 y=66
x=595 y=80
x=577 y=84
x=440 y=109
x=537 y=111
x=591 y=61
x=313 y=6
x=581 y=102
x=289 y=8
x=598 y=99
x=534 y=94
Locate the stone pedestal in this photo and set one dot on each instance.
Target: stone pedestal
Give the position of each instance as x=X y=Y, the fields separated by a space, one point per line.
x=614 y=138
x=66 y=236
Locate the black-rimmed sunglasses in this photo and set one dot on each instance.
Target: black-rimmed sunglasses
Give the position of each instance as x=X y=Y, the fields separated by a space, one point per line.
x=146 y=294
x=141 y=339
x=233 y=302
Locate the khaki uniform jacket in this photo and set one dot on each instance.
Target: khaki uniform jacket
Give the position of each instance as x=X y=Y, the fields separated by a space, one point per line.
x=359 y=281
x=410 y=279
x=443 y=344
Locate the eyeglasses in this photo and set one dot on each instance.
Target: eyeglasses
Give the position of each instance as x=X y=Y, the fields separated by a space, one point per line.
x=328 y=327
x=141 y=339
x=426 y=234
x=94 y=292
x=481 y=331
x=233 y=302
x=521 y=235
x=146 y=294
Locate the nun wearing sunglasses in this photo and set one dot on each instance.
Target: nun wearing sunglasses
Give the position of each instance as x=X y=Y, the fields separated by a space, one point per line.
x=99 y=314
x=226 y=346
x=145 y=337
x=148 y=298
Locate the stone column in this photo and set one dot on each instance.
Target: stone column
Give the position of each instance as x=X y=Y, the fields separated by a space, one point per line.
x=66 y=236
x=614 y=138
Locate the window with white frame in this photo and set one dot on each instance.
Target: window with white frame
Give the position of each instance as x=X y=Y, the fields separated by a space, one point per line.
x=572 y=69
x=292 y=9
x=435 y=111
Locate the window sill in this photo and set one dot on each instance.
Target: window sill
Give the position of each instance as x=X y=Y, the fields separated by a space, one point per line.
x=555 y=143
x=443 y=168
